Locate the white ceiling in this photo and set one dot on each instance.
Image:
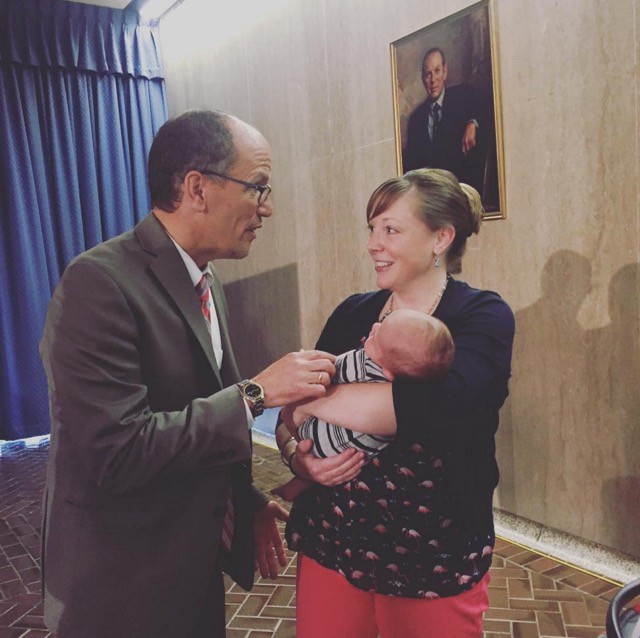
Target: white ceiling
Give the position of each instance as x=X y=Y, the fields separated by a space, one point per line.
x=148 y=9
x=113 y=4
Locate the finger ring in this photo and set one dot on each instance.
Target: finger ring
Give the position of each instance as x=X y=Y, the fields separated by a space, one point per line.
x=319 y=377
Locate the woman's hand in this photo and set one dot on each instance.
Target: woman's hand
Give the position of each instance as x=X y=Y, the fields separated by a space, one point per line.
x=333 y=470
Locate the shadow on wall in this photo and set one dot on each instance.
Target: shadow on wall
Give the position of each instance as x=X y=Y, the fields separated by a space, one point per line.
x=264 y=318
x=569 y=442
x=617 y=385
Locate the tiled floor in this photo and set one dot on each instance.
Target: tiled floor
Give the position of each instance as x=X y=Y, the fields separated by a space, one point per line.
x=531 y=596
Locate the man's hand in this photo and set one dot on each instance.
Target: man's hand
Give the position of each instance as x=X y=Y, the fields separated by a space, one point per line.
x=469 y=138
x=334 y=470
x=268 y=542
x=298 y=375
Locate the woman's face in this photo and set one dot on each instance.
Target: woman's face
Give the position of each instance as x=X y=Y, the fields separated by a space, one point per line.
x=400 y=245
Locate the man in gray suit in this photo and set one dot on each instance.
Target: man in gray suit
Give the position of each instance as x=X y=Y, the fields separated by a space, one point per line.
x=149 y=477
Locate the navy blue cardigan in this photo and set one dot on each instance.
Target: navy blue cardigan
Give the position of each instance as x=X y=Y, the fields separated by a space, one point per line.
x=454 y=419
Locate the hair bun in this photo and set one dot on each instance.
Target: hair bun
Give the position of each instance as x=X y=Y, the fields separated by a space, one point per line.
x=476 y=209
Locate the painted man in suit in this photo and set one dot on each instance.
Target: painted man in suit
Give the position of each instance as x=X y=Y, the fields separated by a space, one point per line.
x=444 y=131
x=150 y=469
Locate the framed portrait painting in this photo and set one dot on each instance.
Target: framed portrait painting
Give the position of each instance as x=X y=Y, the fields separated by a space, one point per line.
x=446 y=102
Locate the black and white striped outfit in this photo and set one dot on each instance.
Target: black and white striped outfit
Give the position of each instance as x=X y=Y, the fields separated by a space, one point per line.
x=353 y=366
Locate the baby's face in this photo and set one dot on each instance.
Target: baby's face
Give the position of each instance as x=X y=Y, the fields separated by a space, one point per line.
x=372 y=345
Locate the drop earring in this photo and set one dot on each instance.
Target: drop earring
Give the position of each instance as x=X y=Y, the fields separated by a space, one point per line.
x=437 y=261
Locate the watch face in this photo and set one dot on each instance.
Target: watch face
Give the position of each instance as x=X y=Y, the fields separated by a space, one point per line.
x=253 y=390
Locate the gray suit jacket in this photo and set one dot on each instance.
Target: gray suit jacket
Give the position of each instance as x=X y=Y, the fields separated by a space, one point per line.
x=145 y=445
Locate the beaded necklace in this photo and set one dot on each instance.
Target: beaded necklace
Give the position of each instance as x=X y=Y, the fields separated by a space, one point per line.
x=433 y=306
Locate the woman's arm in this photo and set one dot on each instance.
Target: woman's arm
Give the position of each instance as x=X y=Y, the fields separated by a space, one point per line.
x=364 y=407
x=334 y=470
x=350 y=321
x=464 y=404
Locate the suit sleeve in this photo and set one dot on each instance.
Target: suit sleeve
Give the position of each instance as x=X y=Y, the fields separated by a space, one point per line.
x=477 y=107
x=416 y=140
x=259 y=498
x=475 y=387
x=91 y=353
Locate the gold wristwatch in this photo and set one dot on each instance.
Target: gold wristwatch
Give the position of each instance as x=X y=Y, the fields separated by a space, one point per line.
x=254 y=394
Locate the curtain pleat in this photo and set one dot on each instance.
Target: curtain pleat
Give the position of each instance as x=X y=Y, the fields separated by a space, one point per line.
x=79 y=37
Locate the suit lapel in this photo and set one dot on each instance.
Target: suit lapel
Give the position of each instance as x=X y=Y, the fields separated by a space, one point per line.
x=172 y=275
x=230 y=372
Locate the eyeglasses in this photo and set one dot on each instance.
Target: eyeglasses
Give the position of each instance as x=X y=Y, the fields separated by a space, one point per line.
x=263 y=191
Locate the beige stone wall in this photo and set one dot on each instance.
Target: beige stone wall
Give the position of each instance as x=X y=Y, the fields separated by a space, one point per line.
x=314 y=76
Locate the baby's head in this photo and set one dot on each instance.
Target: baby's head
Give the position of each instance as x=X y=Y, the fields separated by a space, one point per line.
x=409 y=343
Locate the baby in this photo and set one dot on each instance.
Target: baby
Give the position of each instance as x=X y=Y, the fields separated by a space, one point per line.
x=407 y=343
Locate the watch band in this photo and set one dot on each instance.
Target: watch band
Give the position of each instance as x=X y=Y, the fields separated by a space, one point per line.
x=254 y=395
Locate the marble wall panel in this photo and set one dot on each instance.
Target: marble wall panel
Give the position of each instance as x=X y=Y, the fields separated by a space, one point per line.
x=636 y=6
x=551 y=47
x=359 y=63
x=289 y=80
x=615 y=409
x=416 y=14
x=266 y=318
x=575 y=225
x=310 y=202
x=197 y=56
x=360 y=171
x=332 y=231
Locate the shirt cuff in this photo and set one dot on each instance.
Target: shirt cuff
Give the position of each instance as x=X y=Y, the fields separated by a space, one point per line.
x=247 y=410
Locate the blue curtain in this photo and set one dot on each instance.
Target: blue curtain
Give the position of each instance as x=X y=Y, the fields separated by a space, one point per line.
x=81 y=97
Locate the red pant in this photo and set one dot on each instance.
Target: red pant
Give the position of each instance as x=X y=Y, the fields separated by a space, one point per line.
x=328 y=605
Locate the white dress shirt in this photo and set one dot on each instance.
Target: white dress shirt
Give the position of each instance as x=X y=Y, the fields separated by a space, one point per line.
x=196 y=274
x=216 y=339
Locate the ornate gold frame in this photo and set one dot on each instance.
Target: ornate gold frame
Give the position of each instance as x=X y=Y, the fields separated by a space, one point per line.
x=439 y=30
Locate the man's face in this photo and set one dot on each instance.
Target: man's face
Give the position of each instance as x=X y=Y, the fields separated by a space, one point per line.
x=434 y=75
x=234 y=215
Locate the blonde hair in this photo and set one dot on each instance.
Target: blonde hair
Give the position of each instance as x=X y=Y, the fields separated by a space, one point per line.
x=441 y=200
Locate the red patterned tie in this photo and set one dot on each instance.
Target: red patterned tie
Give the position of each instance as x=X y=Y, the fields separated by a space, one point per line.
x=204 y=293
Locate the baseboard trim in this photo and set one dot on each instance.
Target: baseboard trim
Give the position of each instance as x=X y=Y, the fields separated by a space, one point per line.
x=586 y=556
x=268 y=440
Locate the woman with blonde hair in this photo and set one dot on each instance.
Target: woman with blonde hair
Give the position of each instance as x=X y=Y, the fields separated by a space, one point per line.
x=404 y=548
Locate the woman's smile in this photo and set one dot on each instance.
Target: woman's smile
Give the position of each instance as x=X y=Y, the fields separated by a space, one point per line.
x=400 y=245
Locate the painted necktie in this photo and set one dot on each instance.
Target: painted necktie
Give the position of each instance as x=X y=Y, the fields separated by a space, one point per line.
x=435 y=115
